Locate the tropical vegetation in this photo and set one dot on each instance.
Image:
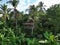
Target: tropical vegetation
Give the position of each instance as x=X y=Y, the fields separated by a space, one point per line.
x=39 y=27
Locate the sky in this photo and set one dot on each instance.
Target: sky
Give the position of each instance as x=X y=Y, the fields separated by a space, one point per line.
x=24 y=4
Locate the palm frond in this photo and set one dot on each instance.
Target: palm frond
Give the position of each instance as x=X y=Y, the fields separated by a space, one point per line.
x=1 y=11
x=13 y=2
x=9 y=1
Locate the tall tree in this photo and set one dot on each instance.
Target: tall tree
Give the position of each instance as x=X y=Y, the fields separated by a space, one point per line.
x=14 y=3
x=53 y=14
x=5 y=12
x=32 y=14
x=41 y=6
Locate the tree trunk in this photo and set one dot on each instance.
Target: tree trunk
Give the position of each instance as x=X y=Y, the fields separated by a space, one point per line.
x=15 y=18
x=33 y=28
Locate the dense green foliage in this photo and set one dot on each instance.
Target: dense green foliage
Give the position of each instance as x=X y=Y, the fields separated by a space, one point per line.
x=38 y=27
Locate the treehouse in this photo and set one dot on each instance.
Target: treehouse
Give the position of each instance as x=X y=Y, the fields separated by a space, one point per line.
x=28 y=24
x=28 y=27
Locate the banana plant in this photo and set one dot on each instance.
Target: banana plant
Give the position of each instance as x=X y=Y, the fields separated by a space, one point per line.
x=51 y=38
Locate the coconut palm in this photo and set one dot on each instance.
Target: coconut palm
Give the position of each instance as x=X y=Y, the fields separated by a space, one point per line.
x=14 y=3
x=5 y=12
x=31 y=9
x=32 y=12
x=41 y=6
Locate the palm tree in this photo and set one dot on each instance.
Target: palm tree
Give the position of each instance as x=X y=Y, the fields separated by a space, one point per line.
x=14 y=3
x=5 y=12
x=32 y=12
x=41 y=6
